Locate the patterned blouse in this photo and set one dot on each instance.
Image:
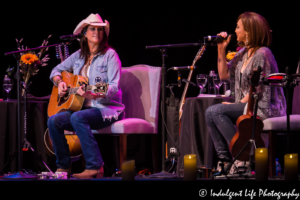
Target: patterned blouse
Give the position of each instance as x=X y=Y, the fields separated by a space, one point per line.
x=271 y=101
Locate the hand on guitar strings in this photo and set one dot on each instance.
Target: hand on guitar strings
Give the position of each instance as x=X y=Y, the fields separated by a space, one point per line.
x=89 y=94
x=62 y=88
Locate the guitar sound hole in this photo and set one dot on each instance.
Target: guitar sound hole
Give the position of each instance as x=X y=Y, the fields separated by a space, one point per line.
x=63 y=99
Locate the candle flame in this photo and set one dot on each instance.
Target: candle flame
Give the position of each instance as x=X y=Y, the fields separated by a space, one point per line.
x=190 y=157
x=261 y=151
x=291 y=156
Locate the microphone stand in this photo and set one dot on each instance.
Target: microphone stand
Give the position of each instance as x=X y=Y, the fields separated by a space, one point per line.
x=163 y=173
x=26 y=144
x=163 y=50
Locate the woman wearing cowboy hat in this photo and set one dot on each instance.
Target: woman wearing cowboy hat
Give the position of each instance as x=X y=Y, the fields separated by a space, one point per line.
x=100 y=63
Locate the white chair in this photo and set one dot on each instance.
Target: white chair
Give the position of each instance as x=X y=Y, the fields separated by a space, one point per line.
x=140 y=85
x=278 y=125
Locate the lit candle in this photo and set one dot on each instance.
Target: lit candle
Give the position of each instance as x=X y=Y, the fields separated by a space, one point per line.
x=291 y=167
x=261 y=164
x=128 y=170
x=190 y=167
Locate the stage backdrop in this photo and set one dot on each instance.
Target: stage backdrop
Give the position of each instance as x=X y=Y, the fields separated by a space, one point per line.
x=133 y=26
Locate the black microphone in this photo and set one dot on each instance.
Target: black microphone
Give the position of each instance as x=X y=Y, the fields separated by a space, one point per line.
x=182 y=68
x=217 y=38
x=71 y=37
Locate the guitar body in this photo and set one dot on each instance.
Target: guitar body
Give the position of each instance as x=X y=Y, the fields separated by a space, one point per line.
x=243 y=134
x=72 y=140
x=71 y=102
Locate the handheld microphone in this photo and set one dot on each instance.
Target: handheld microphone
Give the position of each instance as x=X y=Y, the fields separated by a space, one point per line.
x=182 y=68
x=217 y=39
x=71 y=37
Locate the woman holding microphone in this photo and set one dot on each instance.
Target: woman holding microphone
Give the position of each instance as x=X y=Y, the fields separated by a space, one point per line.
x=254 y=36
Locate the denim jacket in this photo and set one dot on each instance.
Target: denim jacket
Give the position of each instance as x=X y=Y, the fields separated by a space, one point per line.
x=105 y=68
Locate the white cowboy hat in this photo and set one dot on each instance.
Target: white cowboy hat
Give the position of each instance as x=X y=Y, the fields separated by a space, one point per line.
x=92 y=19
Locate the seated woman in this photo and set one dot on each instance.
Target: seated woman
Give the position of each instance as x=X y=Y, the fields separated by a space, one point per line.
x=99 y=63
x=254 y=35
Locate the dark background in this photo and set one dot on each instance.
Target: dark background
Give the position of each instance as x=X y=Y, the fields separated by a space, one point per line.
x=133 y=26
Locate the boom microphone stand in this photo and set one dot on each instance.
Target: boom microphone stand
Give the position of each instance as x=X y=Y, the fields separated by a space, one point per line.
x=162 y=49
x=26 y=144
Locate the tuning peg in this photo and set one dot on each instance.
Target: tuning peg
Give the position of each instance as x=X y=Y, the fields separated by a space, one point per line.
x=66 y=50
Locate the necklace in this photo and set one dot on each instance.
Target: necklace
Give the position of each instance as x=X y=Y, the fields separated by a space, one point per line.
x=247 y=57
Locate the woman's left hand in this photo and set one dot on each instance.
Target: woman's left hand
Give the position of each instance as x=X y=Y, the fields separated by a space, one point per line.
x=88 y=94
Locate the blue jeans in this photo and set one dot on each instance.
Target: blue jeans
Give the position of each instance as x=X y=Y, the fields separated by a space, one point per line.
x=220 y=120
x=82 y=122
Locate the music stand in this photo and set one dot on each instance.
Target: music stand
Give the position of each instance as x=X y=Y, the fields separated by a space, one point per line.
x=26 y=145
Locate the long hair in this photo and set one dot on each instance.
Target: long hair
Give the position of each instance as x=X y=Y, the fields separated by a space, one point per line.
x=85 y=51
x=259 y=32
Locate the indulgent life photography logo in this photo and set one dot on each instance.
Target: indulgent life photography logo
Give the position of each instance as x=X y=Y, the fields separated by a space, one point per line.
x=249 y=193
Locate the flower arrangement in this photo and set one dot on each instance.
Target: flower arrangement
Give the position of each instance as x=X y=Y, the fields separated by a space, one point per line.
x=30 y=61
x=230 y=55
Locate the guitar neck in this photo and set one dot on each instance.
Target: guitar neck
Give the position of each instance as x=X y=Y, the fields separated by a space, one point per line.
x=251 y=101
x=74 y=90
x=199 y=54
x=185 y=90
x=254 y=81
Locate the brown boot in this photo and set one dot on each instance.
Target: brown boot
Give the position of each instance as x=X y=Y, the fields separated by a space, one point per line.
x=64 y=170
x=90 y=173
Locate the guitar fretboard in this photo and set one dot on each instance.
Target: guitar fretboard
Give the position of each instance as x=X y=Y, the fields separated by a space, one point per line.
x=74 y=90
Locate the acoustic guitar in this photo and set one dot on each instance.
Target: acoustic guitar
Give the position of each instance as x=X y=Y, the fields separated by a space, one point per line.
x=197 y=57
x=245 y=125
x=72 y=101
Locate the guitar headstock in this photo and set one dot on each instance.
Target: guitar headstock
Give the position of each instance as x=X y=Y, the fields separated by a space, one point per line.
x=59 y=53
x=199 y=54
x=66 y=51
x=255 y=76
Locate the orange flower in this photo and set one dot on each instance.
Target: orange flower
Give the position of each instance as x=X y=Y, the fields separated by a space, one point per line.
x=230 y=55
x=29 y=58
